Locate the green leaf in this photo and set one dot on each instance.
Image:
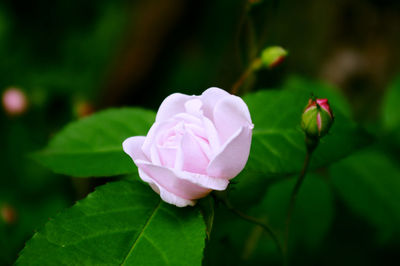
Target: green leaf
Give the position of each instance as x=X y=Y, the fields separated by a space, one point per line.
x=369 y=183
x=278 y=142
x=249 y=244
x=320 y=89
x=391 y=114
x=93 y=146
x=207 y=207
x=29 y=215
x=313 y=212
x=246 y=243
x=121 y=223
x=278 y=147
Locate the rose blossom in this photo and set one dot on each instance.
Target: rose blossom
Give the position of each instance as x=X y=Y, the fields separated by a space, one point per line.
x=196 y=145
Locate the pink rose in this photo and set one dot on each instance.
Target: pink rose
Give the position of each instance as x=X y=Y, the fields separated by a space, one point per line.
x=196 y=145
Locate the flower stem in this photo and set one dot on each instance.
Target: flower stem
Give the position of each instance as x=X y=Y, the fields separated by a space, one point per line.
x=255 y=64
x=311 y=146
x=253 y=220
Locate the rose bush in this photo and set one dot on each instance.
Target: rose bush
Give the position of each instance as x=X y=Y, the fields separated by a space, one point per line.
x=196 y=145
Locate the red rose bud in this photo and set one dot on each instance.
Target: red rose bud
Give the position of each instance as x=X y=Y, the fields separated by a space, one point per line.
x=317 y=118
x=273 y=56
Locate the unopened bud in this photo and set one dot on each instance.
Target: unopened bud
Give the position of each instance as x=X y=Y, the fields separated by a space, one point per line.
x=14 y=101
x=317 y=118
x=273 y=56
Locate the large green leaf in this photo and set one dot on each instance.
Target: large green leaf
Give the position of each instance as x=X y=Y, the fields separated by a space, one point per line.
x=121 y=223
x=278 y=147
x=250 y=245
x=93 y=146
x=278 y=142
x=369 y=183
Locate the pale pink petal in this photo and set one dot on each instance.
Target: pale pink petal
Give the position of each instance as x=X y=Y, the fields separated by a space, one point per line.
x=133 y=147
x=230 y=114
x=212 y=135
x=203 y=180
x=165 y=194
x=210 y=98
x=193 y=158
x=233 y=155
x=187 y=118
x=154 y=131
x=167 y=156
x=193 y=106
x=184 y=184
x=167 y=179
x=154 y=155
x=172 y=105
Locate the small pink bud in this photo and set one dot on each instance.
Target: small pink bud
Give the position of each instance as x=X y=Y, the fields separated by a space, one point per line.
x=14 y=101
x=317 y=118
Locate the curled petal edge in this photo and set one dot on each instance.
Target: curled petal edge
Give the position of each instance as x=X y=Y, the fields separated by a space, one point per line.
x=236 y=149
x=172 y=105
x=165 y=195
x=203 y=181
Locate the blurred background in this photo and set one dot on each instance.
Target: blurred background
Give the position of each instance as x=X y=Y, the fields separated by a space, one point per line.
x=62 y=60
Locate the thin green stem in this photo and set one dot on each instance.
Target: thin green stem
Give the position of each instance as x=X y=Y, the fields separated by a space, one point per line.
x=255 y=64
x=254 y=220
x=295 y=191
x=242 y=20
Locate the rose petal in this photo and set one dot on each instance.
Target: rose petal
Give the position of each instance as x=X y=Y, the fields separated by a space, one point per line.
x=230 y=114
x=193 y=106
x=167 y=179
x=133 y=147
x=212 y=135
x=187 y=118
x=167 y=156
x=173 y=104
x=210 y=98
x=193 y=159
x=184 y=184
x=167 y=182
x=165 y=194
x=233 y=155
x=152 y=134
